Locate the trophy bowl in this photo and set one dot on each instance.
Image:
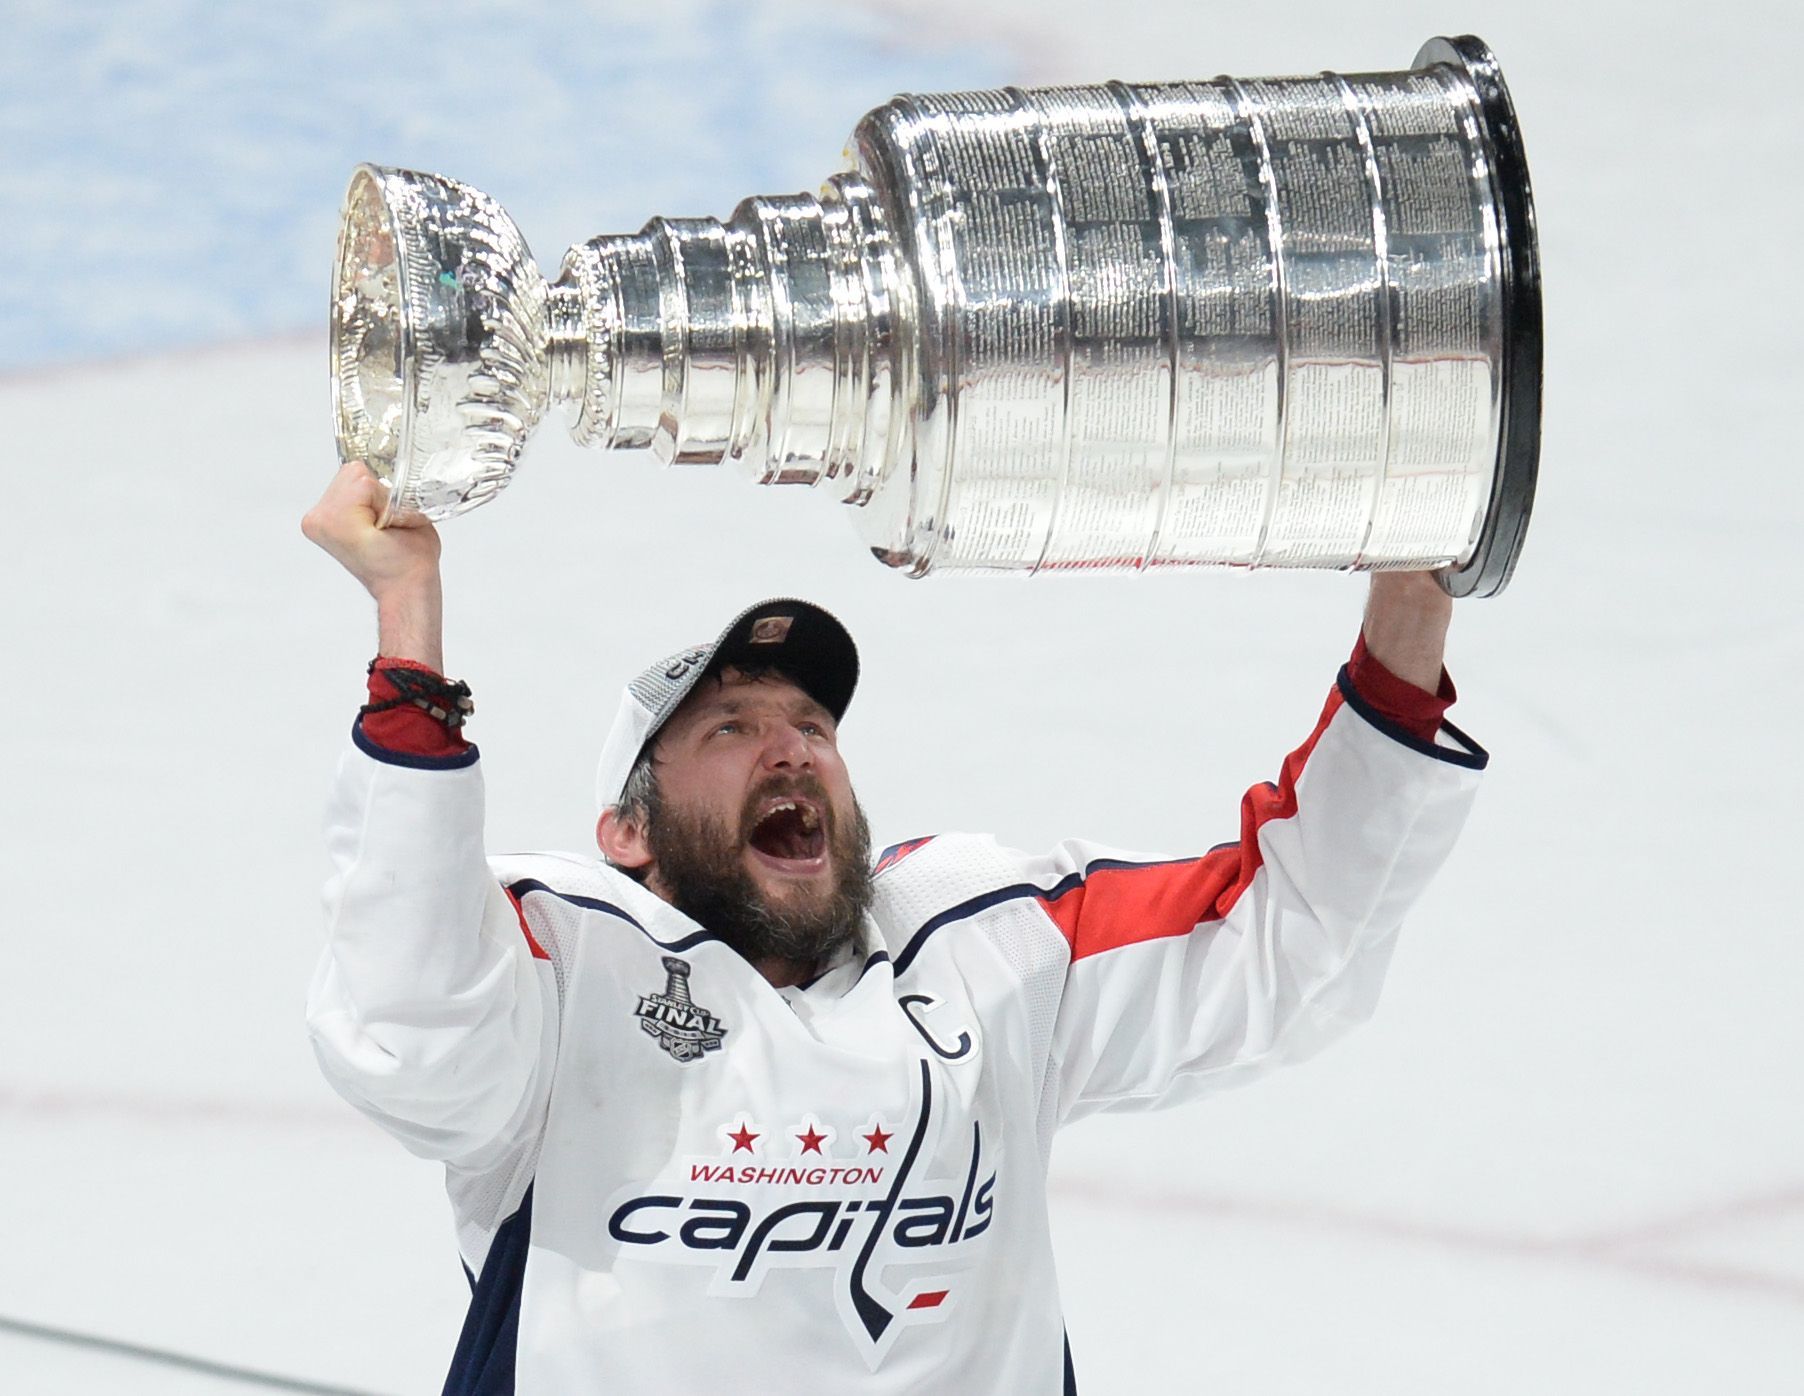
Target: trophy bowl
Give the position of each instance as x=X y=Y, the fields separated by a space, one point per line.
x=438 y=327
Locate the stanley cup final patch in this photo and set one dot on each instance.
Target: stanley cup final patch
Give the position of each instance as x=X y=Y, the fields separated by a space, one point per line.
x=681 y=1026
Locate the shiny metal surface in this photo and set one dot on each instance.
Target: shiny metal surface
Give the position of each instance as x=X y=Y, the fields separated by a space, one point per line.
x=439 y=340
x=1263 y=323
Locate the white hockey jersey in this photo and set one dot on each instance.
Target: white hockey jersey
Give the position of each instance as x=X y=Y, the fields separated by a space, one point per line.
x=668 y=1175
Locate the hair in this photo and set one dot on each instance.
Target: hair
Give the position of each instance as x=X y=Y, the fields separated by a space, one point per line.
x=640 y=801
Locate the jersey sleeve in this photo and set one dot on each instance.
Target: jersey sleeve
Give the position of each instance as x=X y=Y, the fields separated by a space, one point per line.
x=1195 y=974
x=431 y=1009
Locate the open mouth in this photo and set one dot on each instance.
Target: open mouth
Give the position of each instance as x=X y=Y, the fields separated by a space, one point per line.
x=789 y=832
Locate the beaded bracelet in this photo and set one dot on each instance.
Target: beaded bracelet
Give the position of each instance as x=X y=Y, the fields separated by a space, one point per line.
x=446 y=700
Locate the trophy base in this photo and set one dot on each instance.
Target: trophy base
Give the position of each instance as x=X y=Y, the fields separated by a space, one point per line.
x=1493 y=561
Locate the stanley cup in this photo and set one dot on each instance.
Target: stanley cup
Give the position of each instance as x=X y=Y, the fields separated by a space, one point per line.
x=1290 y=322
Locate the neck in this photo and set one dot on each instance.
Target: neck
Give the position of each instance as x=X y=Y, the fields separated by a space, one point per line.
x=784 y=974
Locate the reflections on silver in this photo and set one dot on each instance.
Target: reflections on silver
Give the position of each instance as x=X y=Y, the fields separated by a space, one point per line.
x=1290 y=322
x=438 y=333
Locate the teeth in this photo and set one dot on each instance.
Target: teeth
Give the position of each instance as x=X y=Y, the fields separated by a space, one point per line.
x=807 y=815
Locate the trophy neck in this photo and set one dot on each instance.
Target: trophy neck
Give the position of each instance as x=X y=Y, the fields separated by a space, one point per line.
x=768 y=340
x=567 y=342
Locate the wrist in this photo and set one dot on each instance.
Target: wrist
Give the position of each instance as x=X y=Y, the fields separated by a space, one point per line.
x=1415 y=589
x=1406 y=624
x=410 y=624
x=400 y=587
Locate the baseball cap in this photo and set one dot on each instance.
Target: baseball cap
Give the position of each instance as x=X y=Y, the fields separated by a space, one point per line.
x=805 y=642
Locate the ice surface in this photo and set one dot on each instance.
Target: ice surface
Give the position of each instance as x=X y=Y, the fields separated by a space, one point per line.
x=1566 y=1157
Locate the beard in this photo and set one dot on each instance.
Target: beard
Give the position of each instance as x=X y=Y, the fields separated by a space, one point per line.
x=700 y=867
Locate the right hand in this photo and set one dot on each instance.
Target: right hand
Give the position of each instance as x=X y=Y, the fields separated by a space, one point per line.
x=388 y=561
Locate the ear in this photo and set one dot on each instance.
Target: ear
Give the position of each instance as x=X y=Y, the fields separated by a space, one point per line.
x=621 y=839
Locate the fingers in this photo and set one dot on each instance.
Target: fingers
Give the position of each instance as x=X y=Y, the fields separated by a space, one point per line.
x=356 y=484
x=409 y=519
x=346 y=523
x=352 y=500
x=345 y=514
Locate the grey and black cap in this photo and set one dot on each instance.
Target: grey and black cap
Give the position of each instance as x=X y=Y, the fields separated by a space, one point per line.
x=806 y=643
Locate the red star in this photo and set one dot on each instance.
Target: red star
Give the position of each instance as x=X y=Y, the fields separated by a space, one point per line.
x=878 y=1140
x=742 y=1139
x=811 y=1142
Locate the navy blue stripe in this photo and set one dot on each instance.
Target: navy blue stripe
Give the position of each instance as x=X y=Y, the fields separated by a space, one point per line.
x=483 y=1364
x=1070 y=1370
x=528 y=884
x=959 y=913
x=879 y=957
x=408 y=759
x=1474 y=758
x=986 y=900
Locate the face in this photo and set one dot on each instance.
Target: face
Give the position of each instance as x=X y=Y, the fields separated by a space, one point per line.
x=757 y=834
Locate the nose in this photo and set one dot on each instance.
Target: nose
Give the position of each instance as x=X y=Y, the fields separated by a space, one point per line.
x=786 y=749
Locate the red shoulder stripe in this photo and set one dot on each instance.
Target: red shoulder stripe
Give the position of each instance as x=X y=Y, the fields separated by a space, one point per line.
x=1113 y=907
x=538 y=951
x=894 y=855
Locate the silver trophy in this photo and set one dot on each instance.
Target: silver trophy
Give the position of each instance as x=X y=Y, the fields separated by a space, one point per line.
x=1290 y=322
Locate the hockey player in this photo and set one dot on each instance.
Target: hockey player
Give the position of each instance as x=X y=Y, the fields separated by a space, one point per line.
x=732 y=1108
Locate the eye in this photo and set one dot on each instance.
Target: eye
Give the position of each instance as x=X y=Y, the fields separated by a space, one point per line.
x=730 y=727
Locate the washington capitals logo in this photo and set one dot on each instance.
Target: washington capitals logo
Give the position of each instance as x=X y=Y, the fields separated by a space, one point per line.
x=682 y=1027
x=900 y=1225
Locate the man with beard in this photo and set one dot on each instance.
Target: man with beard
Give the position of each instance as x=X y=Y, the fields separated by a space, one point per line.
x=737 y=1108
x=691 y=845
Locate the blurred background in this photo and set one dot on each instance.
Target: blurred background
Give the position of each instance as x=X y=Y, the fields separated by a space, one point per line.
x=1568 y=1154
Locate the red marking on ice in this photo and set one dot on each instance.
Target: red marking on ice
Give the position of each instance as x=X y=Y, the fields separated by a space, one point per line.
x=1621 y=1248
x=53 y=1104
x=1618 y=1250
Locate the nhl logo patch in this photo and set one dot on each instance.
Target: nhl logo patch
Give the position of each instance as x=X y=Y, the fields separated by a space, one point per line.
x=681 y=1026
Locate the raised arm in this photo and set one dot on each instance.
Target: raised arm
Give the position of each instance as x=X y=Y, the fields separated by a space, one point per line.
x=1190 y=975
x=429 y=1010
